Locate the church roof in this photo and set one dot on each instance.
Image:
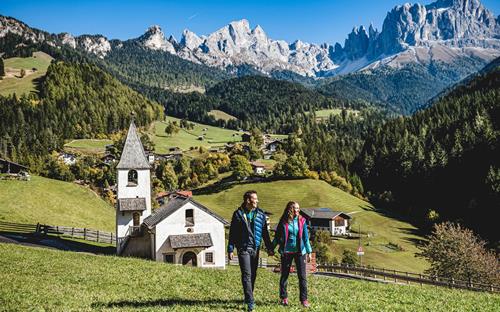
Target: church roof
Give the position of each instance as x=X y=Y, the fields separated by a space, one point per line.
x=191 y=240
x=132 y=204
x=172 y=206
x=133 y=155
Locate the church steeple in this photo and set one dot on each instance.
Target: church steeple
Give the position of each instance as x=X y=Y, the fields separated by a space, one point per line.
x=133 y=155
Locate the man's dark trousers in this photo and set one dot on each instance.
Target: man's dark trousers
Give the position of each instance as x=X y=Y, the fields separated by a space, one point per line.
x=300 y=266
x=248 y=261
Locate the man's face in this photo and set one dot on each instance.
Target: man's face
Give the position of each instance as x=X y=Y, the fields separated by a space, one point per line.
x=253 y=201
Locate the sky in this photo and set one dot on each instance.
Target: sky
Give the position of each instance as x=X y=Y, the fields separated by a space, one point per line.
x=313 y=21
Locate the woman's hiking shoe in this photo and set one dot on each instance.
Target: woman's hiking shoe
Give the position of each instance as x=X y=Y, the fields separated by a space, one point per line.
x=284 y=301
x=306 y=304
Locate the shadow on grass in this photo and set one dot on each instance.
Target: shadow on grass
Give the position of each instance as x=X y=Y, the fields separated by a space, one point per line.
x=419 y=242
x=213 y=303
x=57 y=242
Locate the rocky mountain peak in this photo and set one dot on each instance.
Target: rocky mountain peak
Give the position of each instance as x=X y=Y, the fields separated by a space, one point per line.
x=154 y=39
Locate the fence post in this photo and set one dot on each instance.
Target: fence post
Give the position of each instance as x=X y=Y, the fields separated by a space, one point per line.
x=72 y=232
x=421 y=278
x=407 y=278
x=84 y=234
x=395 y=277
x=111 y=240
x=97 y=235
x=383 y=271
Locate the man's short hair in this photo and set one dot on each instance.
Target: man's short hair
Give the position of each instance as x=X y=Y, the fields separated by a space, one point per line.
x=248 y=194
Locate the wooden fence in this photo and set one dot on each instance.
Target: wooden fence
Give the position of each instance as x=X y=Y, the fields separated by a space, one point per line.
x=81 y=233
x=405 y=277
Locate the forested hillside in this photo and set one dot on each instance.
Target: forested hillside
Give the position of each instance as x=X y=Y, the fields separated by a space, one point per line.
x=403 y=89
x=139 y=65
x=74 y=101
x=443 y=163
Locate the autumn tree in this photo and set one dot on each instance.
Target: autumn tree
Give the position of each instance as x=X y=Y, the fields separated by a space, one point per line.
x=456 y=252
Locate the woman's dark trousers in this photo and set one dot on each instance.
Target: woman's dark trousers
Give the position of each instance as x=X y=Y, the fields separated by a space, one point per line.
x=248 y=261
x=300 y=266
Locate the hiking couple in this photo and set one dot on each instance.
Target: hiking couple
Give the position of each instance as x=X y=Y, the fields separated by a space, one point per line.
x=249 y=228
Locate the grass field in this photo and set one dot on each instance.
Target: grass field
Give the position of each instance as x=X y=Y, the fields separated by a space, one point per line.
x=35 y=279
x=214 y=136
x=218 y=114
x=88 y=146
x=12 y=83
x=325 y=113
x=383 y=229
x=54 y=202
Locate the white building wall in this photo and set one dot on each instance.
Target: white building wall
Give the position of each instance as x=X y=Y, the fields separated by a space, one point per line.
x=175 y=224
x=142 y=190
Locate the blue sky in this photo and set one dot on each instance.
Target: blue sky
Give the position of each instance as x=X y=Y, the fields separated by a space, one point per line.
x=310 y=21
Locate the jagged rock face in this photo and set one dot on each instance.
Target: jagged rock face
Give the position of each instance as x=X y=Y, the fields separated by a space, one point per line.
x=68 y=39
x=155 y=40
x=11 y=25
x=237 y=44
x=458 y=23
x=97 y=45
x=454 y=24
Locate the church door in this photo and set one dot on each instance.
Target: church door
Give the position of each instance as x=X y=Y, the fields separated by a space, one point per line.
x=189 y=258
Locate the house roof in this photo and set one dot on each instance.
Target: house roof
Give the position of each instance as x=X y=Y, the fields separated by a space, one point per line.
x=133 y=155
x=257 y=164
x=191 y=240
x=172 y=206
x=323 y=213
x=132 y=204
x=13 y=163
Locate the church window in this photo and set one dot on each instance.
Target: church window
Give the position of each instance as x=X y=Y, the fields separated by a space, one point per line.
x=189 y=217
x=132 y=178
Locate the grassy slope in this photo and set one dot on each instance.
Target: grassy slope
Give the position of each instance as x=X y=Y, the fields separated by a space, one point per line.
x=54 y=202
x=185 y=139
x=325 y=113
x=10 y=85
x=218 y=114
x=88 y=146
x=50 y=280
x=273 y=197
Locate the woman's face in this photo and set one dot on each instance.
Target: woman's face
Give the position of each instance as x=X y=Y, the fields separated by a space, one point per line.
x=296 y=210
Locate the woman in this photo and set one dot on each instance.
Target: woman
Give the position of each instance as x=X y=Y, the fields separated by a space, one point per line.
x=293 y=239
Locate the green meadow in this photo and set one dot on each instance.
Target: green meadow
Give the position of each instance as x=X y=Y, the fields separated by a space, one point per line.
x=185 y=139
x=384 y=230
x=13 y=83
x=218 y=114
x=88 y=146
x=54 y=202
x=36 y=279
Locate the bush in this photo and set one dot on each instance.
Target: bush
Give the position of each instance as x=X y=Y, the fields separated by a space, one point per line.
x=349 y=257
x=456 y=252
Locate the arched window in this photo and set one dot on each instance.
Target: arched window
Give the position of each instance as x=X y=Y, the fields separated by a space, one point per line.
x=132 y=178
x=136 y=216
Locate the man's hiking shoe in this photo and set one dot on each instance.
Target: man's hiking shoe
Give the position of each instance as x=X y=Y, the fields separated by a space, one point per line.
x=306 y=304
x=284 y=301
x=251 y=307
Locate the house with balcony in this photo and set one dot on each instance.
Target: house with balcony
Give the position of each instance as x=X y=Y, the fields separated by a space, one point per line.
x=325 y=219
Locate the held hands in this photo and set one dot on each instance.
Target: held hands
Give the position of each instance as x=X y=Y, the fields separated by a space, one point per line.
x=308 y=258
x=270 y=253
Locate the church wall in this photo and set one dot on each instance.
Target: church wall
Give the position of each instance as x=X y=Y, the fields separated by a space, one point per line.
x=175 y=224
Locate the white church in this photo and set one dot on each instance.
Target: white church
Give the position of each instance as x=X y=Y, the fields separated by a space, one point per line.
x=181 y=231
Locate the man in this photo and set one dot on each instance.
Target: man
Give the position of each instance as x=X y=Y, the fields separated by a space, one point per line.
x=248 y=228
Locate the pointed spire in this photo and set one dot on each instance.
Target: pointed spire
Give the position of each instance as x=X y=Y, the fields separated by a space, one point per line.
x=133 y=155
